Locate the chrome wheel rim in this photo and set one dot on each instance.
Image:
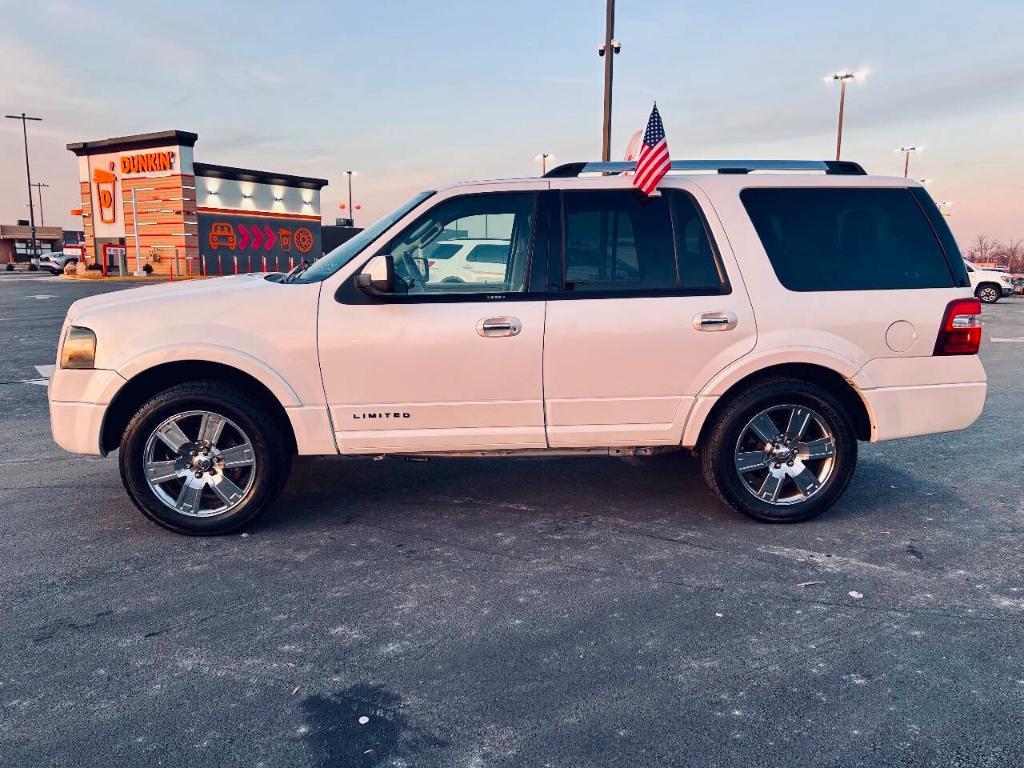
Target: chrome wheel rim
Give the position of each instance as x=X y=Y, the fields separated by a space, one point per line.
x=988 y=295
x=199 y=463
x=785 y=455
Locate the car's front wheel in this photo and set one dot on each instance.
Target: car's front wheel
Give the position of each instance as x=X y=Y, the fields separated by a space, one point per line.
x=203 y=458
x=781 y=452
x=989 y=293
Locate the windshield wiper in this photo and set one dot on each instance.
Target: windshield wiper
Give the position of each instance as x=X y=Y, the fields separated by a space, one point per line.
x=295 y=271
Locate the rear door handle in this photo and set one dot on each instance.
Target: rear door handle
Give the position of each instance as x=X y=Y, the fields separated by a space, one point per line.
x=499 y=326
x=715 y=321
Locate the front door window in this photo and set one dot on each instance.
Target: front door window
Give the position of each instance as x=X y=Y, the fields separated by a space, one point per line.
x=467 y=245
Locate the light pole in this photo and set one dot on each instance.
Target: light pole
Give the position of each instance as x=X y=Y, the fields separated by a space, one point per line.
x=39 y=191
x=906 y=150
x=608 y=49
x=843 y=78
x=34 y=258
x=544 y=158
x=351 y=210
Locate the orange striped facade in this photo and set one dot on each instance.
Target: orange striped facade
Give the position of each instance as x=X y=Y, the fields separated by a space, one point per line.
x=168 y=230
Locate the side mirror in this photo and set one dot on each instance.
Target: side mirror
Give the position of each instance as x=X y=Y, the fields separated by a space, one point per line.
x=378 y=276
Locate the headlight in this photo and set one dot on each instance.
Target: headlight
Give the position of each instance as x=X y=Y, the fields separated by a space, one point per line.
x=79 y=350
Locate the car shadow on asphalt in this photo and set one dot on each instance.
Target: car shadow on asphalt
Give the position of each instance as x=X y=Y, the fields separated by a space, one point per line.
x=327 y=492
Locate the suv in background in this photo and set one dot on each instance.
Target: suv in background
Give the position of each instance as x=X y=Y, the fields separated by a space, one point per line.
x=765 y=315
x=990 y=285
x=469 y=260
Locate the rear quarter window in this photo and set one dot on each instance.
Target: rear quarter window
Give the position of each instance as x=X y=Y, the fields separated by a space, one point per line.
x=821 y=239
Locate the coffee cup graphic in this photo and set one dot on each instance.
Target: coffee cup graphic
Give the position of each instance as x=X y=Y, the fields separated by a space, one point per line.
x=105 y=181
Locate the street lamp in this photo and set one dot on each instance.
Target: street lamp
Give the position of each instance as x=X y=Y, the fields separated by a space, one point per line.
x=608 y=49
x=843 y=78
x=906 y=150
x=28 y=173
x=544 y=158
x=351 y=210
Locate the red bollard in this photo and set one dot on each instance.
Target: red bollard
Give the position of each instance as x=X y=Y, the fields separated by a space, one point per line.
x=264 y=262
x=170 y=266
x=291 y=263
x=236 y=265
x=220 y=266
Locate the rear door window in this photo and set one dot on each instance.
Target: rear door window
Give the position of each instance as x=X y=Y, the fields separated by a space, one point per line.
x=848 y=239
x=619 y=243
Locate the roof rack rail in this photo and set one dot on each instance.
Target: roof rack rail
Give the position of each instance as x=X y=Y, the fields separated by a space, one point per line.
x=830 y=167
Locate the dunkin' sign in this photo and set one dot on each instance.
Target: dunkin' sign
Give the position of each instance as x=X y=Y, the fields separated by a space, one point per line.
x=147 y=162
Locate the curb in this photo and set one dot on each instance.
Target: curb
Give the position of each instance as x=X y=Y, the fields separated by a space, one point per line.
x=129 y=279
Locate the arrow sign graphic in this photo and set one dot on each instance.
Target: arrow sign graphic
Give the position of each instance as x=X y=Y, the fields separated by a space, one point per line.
x=271 y=238
x=257 y=236
x=243 y=237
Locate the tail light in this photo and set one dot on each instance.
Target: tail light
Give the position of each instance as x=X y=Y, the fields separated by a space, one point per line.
x=960 y=333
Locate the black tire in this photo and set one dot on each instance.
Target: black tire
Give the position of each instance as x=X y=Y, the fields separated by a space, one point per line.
x=271 y=453
x=988 y=293
x=721 y=443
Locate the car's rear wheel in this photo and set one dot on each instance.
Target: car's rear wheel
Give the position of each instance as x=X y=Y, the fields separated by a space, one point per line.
x=988 y=293
x=203 y=458
x=781 y=452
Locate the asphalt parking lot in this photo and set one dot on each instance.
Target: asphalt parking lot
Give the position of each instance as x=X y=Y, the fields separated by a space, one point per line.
x=539 y=612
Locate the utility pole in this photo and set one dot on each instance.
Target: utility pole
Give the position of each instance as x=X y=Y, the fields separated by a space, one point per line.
x=28 y=173
x=608 y=49
x=39 y=190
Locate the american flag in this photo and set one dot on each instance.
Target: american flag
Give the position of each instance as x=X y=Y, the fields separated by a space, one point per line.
x=653 y=162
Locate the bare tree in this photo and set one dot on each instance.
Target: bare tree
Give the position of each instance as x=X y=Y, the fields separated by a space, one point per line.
x=982 y=249
x=1013 y=255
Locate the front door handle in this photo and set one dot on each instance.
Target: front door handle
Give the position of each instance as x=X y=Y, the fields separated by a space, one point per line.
x=499 y=326
x=714 y=321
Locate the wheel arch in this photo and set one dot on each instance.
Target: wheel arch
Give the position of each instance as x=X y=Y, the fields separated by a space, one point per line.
x=148 y=381
x=824 y=376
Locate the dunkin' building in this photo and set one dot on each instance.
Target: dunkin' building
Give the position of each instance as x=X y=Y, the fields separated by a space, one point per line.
x=145 y=200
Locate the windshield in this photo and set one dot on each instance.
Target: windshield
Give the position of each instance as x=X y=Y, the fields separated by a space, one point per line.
x=344 y=253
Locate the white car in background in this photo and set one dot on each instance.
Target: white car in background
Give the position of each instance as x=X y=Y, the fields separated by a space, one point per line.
x=467 y=261
x=989 y=285
x=55 y=261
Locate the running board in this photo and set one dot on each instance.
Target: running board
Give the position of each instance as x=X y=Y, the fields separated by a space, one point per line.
x=535 y=453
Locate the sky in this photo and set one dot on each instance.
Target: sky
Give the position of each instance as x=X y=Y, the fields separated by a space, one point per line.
x=414 y=95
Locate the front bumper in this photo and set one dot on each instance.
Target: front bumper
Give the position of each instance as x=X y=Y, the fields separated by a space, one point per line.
x=78 y=404
x=1007 y=291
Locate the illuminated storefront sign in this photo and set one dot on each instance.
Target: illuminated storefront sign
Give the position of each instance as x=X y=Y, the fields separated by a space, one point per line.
x=147 y=162
x=252 y=241
x=105 y=181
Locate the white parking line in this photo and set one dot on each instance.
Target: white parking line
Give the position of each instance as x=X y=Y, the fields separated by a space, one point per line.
x=45 y=372
x=1002 y=340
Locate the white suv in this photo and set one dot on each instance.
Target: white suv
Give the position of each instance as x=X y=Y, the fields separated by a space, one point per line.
x=470 y=260
x=766 y=315
x=989 y=285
